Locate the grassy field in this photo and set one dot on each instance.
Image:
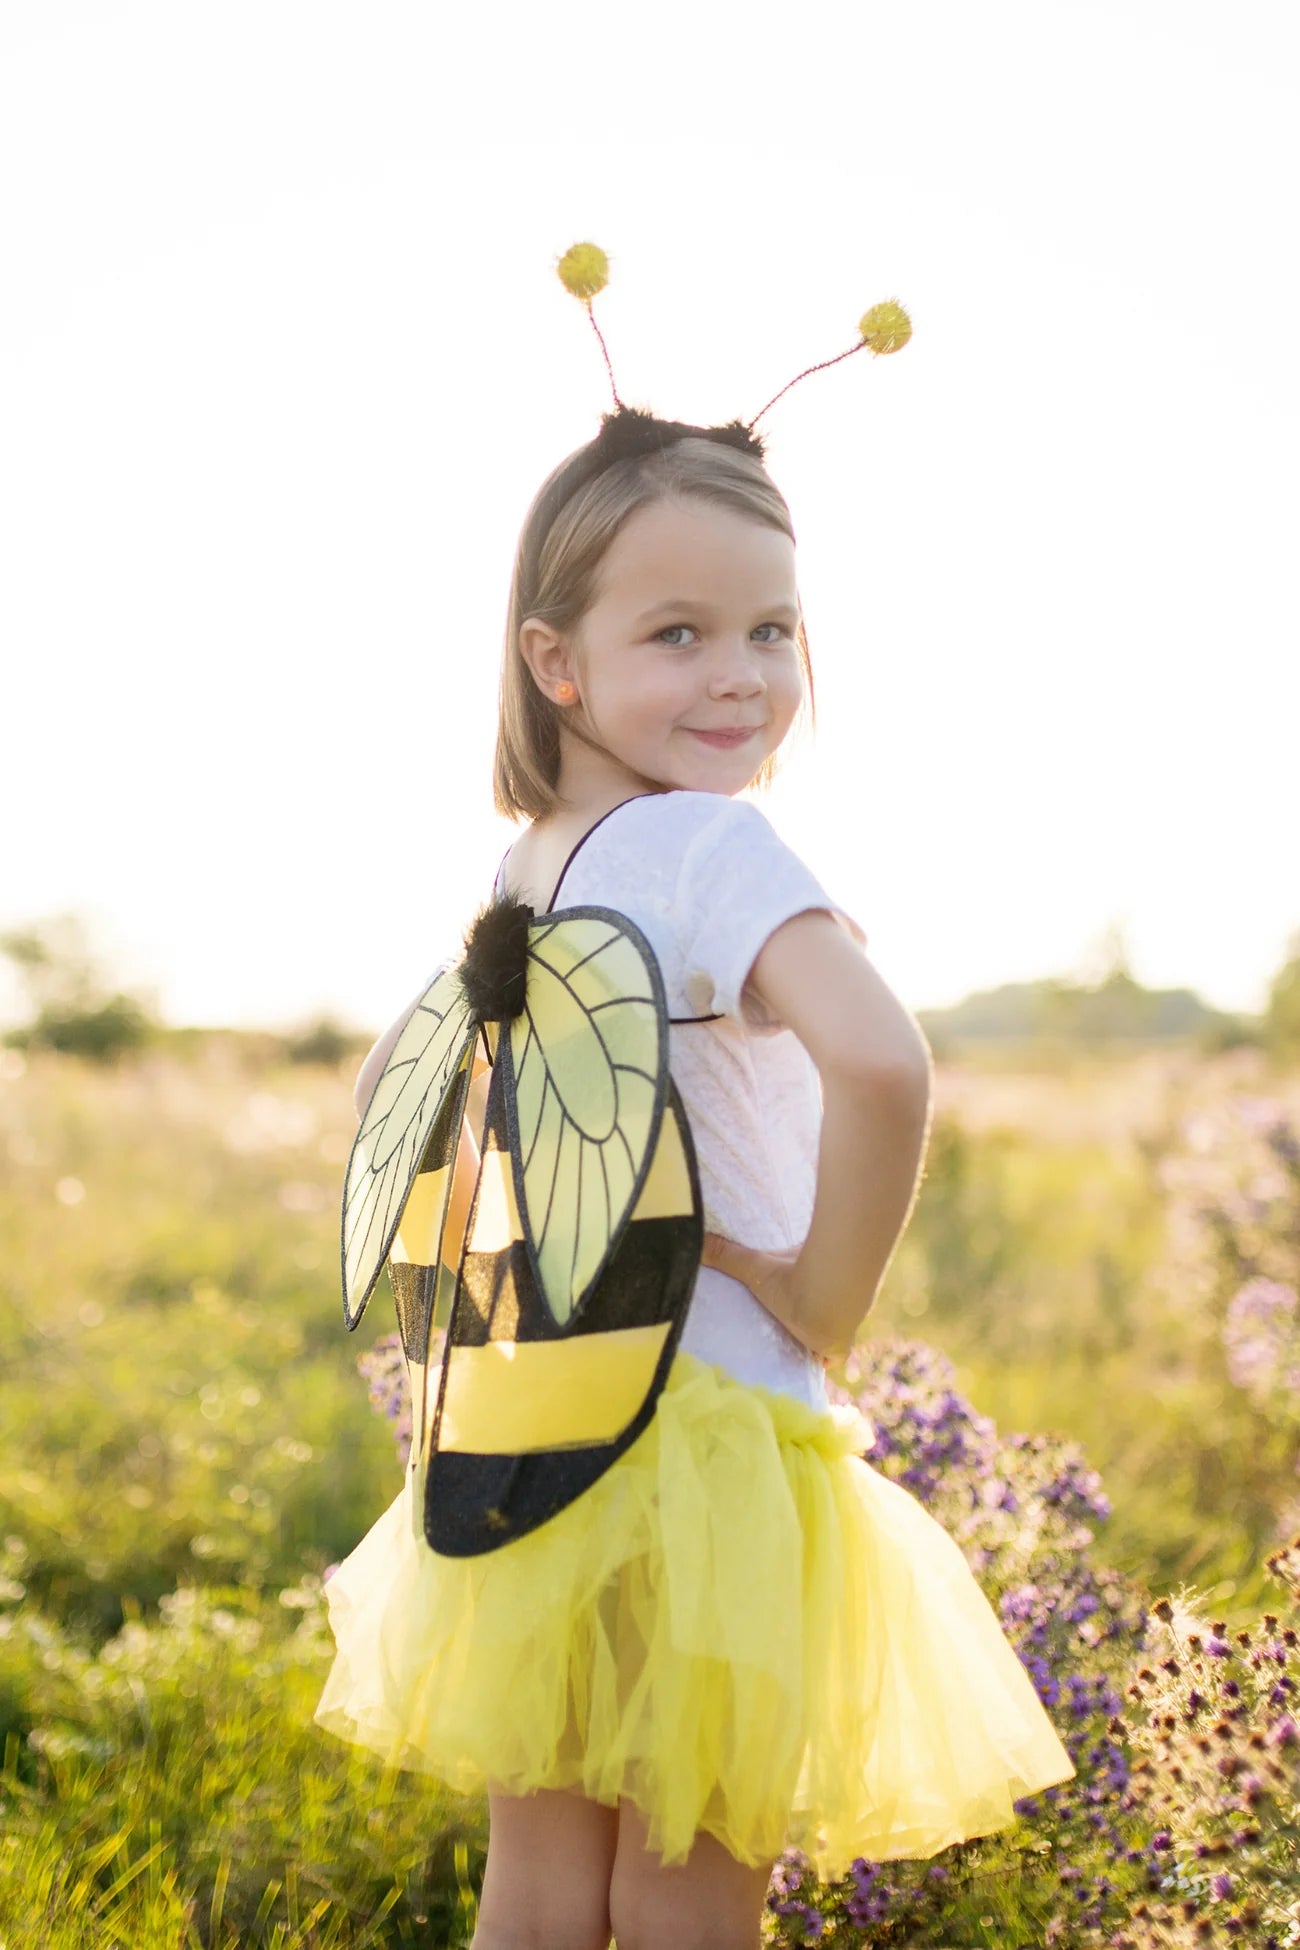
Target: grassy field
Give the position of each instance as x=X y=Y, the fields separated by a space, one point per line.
x=186 y=1445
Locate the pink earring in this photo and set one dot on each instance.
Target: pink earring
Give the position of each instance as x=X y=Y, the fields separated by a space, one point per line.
x=565 y=692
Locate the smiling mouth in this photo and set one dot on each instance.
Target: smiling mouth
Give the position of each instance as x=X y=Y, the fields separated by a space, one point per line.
x=730 y=735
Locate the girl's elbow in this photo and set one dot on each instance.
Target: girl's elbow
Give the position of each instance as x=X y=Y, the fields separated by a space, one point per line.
x=838 y=1341
x=904 y=1073
x=909 y=1060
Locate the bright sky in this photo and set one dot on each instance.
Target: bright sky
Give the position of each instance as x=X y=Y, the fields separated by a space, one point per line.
x=283 y=359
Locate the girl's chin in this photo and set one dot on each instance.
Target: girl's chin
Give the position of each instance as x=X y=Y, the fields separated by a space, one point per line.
x=703 y=769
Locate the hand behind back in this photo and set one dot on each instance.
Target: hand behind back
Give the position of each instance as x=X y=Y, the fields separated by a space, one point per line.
x=770 y=1277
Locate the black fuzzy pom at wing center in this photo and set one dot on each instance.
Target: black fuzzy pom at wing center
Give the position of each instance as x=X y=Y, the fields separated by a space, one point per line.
x=494 y=973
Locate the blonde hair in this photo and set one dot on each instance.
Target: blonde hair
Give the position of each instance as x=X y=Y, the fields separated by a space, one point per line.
x=561 y=546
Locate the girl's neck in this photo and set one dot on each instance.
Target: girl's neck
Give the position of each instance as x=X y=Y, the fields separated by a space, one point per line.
x=590 y=784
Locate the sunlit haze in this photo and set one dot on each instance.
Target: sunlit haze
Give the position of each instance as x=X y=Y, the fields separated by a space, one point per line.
x=283 y=360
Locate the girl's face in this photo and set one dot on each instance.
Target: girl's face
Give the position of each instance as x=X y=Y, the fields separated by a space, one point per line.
x=687 y=671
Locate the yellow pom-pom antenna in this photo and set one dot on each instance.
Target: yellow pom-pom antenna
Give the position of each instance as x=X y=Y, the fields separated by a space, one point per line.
x=584 y=271
x=885 y=328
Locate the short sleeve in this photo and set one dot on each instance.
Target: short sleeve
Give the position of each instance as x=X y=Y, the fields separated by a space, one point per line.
x=738 y=882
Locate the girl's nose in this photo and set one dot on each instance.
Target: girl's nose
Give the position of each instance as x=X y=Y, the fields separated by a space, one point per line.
x=737 y=674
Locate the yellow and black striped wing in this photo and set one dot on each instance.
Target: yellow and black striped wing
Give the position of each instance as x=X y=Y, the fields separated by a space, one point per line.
x=427 y=1062
x=586 y=1085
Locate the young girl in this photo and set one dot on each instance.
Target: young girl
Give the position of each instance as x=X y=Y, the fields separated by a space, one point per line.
x=742 y=1634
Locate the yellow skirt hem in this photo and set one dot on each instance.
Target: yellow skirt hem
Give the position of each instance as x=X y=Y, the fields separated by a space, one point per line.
x=743 y=1627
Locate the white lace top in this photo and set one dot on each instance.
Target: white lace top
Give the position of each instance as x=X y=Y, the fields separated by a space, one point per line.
x=707 y=879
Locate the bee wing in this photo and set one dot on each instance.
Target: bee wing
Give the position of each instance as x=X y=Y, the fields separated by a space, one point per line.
x=425 y=1064
x=586 y=1086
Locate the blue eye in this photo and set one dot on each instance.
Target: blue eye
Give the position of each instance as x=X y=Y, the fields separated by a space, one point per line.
x=669 y=627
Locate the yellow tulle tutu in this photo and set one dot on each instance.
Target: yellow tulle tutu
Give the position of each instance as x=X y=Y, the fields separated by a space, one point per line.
x=743 y=1626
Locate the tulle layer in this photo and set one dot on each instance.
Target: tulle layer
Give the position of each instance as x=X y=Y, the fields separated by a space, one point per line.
x=743 y=1627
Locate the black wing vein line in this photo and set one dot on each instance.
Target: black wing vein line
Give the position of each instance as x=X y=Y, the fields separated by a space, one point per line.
x=589 y=1050
x=424 y=1064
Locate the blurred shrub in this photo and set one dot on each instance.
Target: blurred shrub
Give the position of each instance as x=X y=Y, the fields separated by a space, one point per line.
x=324 y=1041
x=1229 y=1032
x=1282 y=1010
x=101 y=1033
x=74 y=1007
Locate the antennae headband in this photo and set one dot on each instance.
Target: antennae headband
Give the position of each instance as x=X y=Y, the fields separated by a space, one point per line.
x=632 y=430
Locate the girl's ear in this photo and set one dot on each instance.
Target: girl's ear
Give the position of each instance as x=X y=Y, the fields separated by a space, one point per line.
x=547 y=656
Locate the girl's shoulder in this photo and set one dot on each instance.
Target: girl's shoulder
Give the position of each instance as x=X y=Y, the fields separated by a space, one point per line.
x=706 y=878
x=665 y=826
x=643 y=837
x=673 y=848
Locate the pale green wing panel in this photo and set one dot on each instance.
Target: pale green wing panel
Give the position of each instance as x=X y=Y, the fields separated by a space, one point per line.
x=589 y=1059
x=424 y=1065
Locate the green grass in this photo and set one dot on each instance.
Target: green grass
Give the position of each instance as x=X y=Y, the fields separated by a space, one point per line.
x=185 y=1445
x=179 y=1793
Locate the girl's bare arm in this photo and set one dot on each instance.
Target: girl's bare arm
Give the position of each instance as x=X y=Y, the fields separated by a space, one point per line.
x=876 y=1073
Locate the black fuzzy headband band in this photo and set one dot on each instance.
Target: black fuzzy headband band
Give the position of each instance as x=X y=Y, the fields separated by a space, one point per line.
x=633 y=430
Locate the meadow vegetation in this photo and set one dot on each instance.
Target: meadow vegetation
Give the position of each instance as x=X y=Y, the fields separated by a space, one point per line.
x=1086 y=1361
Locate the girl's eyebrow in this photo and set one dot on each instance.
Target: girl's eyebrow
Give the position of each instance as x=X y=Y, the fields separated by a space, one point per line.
x=781 y=608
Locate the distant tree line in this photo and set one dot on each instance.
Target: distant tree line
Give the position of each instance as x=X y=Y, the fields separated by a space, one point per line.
x=1116 y=1009
x=74 y=1006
